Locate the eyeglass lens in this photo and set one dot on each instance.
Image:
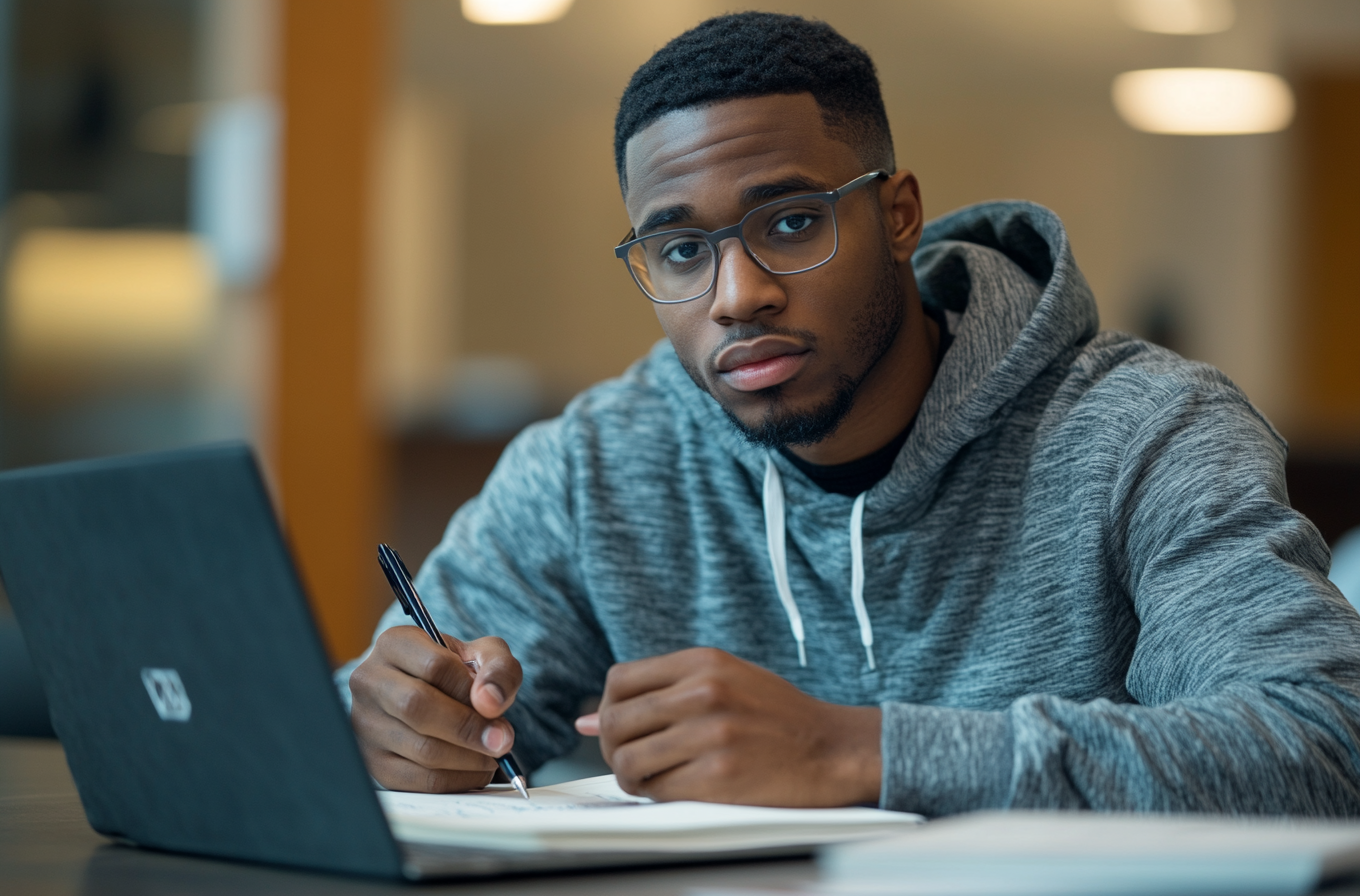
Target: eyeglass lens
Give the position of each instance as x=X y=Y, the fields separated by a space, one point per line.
x=784 y=237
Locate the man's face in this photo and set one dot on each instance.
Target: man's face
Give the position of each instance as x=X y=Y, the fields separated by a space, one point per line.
x=783 y=354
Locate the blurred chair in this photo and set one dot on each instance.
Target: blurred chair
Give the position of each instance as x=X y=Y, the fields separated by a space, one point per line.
x=23 y=706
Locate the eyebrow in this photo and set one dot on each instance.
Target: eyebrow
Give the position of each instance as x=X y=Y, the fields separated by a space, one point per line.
x=679 y=214
x=794 y=184
x=676 y=214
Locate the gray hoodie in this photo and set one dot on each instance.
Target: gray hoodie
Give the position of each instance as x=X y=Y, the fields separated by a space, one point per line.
x=1080 y=586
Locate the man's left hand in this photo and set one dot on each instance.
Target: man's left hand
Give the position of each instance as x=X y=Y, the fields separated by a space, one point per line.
x=700 y=724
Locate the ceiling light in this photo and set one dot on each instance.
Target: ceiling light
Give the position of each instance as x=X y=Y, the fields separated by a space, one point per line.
x=514 y=12
x=1203 y=101
x=1178 y=16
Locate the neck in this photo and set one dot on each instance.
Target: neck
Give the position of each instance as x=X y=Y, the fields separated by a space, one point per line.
x=890 y=395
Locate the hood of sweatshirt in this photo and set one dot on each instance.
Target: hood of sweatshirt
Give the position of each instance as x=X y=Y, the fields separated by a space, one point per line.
x=1004 y=273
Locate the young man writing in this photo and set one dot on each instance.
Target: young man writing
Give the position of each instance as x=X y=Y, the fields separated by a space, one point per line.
x=885 y=519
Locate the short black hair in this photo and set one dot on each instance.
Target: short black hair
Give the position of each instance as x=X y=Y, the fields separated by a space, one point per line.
x=749 y=54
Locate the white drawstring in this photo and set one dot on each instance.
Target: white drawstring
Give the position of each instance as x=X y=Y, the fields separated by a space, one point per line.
x=866 y=631
x=775 y=541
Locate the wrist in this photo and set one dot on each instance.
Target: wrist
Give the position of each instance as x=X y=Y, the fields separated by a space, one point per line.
x=856 y=757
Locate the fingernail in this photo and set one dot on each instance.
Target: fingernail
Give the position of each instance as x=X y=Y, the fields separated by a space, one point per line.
x=494 y=690
x=494 y=739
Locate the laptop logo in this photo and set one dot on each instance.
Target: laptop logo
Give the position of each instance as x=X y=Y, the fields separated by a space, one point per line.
x=167 y=694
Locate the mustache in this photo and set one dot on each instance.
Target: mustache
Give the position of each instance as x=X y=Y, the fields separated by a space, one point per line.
x=746 y=332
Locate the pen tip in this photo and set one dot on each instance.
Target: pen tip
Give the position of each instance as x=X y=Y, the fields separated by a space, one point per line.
x=519 y=785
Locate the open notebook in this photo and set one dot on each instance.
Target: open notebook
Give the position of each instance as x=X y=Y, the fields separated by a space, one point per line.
x=595 y=814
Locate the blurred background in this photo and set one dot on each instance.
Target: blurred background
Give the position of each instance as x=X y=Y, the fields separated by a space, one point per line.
x=305 y=223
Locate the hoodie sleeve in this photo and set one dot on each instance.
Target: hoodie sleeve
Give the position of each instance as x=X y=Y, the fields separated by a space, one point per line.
x=505 y=567
x=1246 y=669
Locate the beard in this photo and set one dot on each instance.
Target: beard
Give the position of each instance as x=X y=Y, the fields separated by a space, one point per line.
x=872 y=333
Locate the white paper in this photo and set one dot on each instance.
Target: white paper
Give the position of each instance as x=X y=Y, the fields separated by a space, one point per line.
x=595 y=814
x=1054 y=853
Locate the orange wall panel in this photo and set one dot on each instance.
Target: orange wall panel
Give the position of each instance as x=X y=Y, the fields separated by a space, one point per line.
x=328 y=455
x=1329 y=271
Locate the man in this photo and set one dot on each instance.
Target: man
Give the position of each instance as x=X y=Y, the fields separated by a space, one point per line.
x=885 y=520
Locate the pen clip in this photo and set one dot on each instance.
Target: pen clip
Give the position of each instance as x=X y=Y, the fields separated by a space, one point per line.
x=393 y=580
x=400 y=579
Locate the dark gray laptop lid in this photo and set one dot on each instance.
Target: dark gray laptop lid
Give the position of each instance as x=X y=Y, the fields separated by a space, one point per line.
x=184 y=672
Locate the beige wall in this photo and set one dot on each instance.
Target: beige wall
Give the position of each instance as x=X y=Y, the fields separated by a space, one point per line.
x=541 y=280
x=988 y=99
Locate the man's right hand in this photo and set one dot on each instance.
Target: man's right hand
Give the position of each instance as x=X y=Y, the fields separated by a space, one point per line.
x=427 y=722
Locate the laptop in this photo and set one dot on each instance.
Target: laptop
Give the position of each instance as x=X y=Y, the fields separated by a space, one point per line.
x=186 y=679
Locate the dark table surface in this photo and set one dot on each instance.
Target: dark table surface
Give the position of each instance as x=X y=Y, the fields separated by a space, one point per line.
x=46 y=847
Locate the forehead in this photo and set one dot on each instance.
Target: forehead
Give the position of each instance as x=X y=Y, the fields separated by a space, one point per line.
x=728 y=146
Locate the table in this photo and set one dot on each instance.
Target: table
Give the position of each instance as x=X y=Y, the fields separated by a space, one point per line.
x=46 y=847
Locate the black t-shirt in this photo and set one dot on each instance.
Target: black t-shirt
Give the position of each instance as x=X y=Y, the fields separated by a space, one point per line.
x=854 y=476
x=859 y=475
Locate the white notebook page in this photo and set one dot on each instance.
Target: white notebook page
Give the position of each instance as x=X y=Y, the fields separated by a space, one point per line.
x=595 y=814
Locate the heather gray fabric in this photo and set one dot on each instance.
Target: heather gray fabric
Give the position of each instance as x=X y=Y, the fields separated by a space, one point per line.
x=1086 y=585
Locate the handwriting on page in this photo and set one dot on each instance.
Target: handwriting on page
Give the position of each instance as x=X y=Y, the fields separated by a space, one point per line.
x=507 y=804
x=482 y=807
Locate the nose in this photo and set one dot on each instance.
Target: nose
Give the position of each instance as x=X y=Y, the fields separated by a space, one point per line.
x=744 y=290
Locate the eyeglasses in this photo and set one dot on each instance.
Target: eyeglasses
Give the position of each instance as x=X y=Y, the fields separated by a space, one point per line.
x=787 y=236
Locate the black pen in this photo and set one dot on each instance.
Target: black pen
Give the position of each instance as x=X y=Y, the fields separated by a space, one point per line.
x=399 y=577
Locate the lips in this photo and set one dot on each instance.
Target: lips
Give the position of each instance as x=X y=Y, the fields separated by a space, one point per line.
x=761 y=363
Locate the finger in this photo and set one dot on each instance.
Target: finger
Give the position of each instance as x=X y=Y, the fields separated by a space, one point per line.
x=399 y=773
x=646 y=787
x=626 y=680
x=589 y=724
x=451 y=642
x=691 y=697
x=410 y=650
x=498 y=675
x=429 y=711
x=699 y=779
x=656 y=754
x=387 y=734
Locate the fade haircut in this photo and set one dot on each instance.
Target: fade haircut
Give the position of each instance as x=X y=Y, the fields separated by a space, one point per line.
x=750 y=54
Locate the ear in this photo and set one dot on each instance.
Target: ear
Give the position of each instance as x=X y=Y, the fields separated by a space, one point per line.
x=900 y=197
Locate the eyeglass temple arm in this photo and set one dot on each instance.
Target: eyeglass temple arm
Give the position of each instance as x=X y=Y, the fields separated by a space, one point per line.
x=861 y=181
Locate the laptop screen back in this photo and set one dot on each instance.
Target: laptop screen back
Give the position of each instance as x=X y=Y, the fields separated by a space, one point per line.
x=184 y=672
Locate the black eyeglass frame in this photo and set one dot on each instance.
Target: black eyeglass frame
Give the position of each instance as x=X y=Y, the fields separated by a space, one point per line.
x=714 y=237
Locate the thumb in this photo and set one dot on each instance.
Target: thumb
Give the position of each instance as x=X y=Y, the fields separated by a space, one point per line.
x=498 y=675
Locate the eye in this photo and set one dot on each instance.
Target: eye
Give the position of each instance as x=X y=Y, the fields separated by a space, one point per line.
x=795 y=223
x=681 y=252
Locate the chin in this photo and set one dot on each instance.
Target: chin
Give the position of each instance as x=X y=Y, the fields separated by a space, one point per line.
x=768 y=420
